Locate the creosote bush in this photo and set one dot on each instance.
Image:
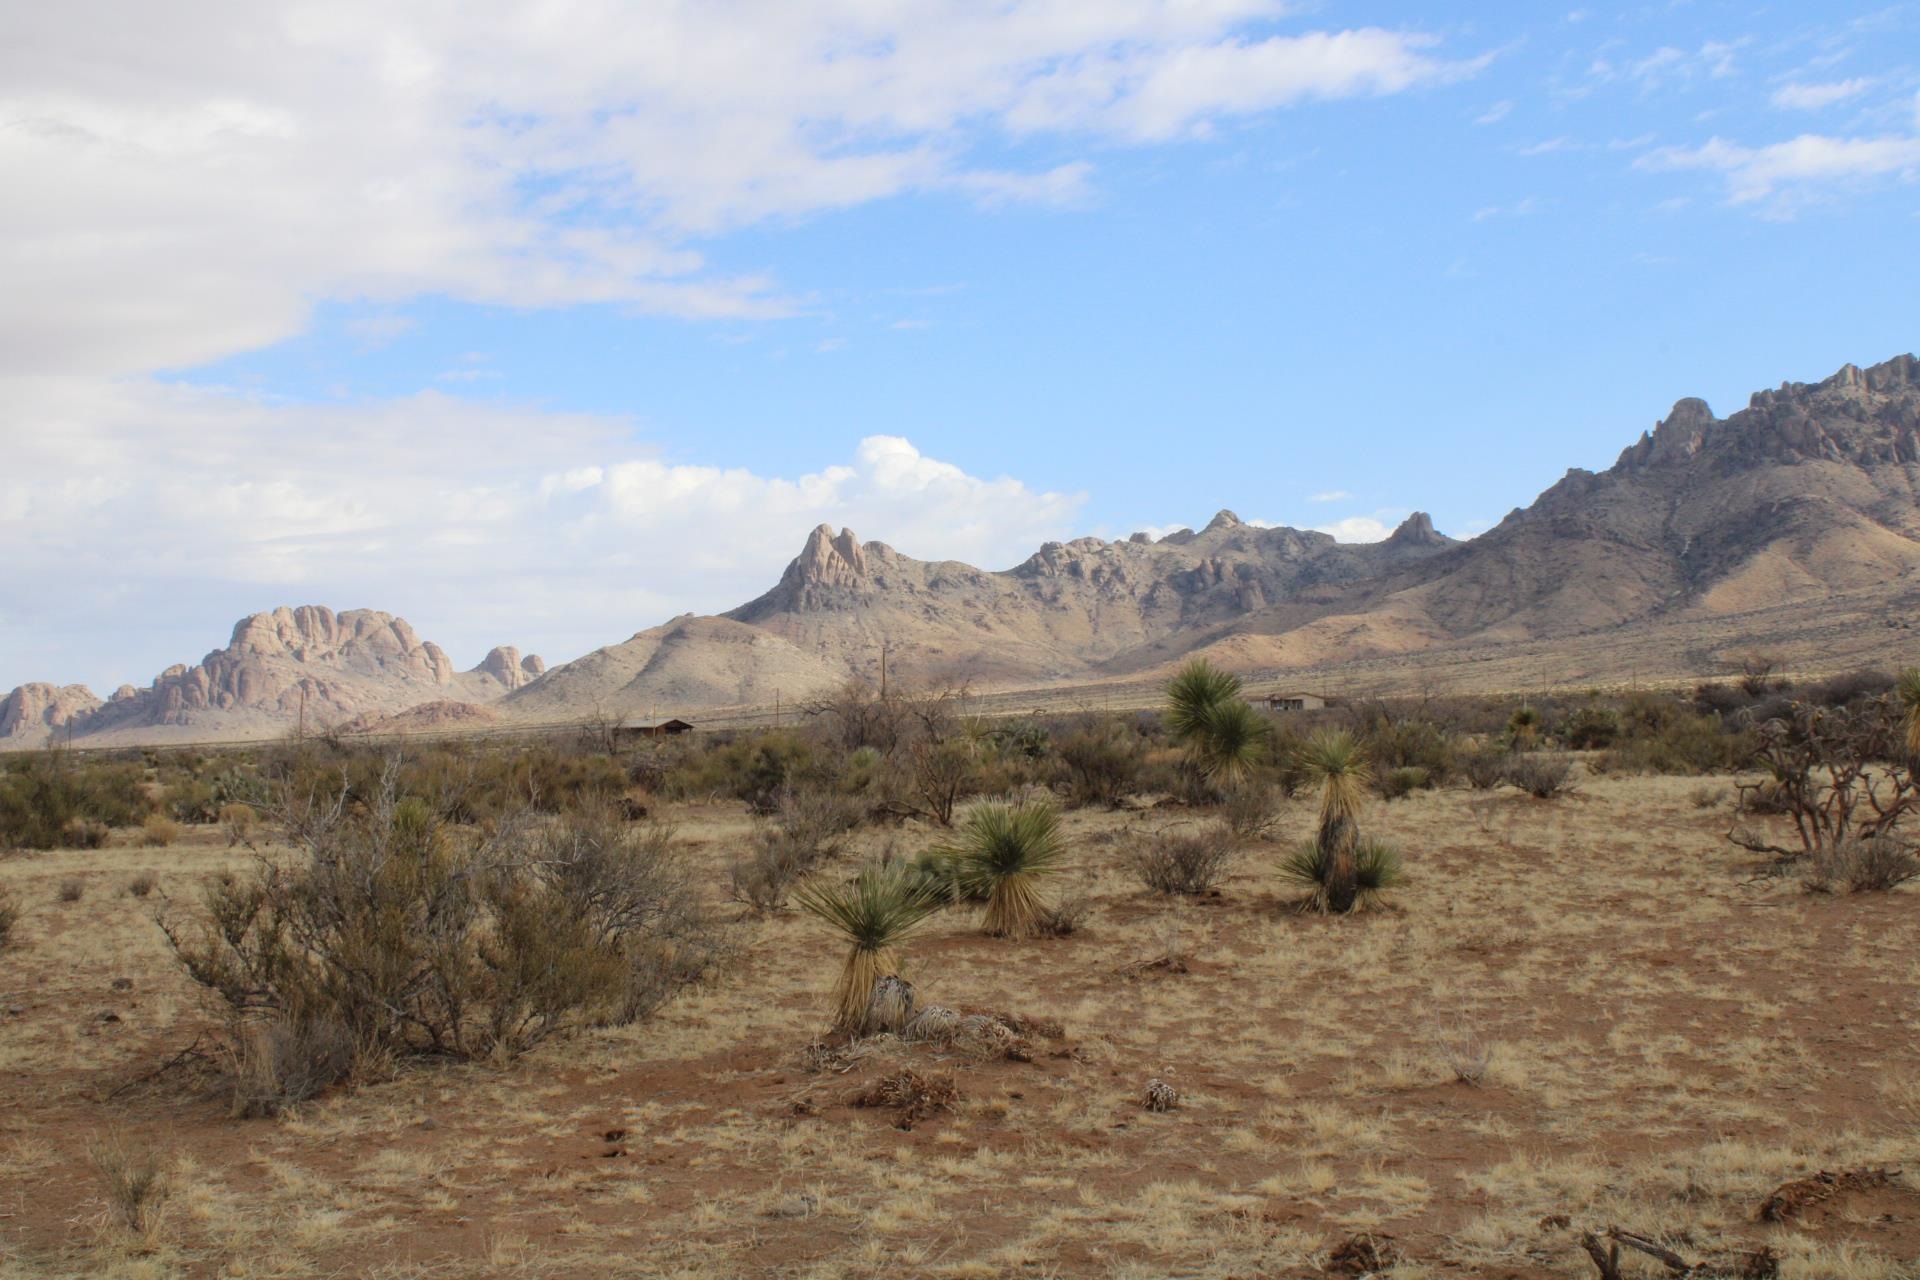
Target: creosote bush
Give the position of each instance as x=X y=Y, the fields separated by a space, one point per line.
x=1540 y=776
x=402 y=935
x=1190 y=862
x=1100 y=764
x=1484 y=768
x=1251 y=809
x=808 y=828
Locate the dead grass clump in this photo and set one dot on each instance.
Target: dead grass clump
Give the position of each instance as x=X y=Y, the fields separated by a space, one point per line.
x=1876 y=865
x=912 y=1096
x=1189 y=862
x=135 y=1181
x=143 y=883
x=9 y=919
x=276 y=1062
x=1160 y=1096
x=1707 y=797
x=71 y=890
x=1543 y=777
x=159 y=831
x=1465 y=1052
x=1065 y=917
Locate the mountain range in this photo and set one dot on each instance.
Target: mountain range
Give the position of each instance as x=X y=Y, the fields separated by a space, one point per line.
x=1793 y=524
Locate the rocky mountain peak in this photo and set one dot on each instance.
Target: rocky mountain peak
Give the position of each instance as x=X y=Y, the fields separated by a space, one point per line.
x=829 y=560
x=1417 y=531
x=1223 y=519
x=504 y=664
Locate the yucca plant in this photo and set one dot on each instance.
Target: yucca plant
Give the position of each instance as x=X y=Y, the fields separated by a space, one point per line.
x=1337 y=761
x=1003 y=852
x=1224 y=735
x=876 y=912
x=1377 y=868
x=1908 y=691
x=1193 y=695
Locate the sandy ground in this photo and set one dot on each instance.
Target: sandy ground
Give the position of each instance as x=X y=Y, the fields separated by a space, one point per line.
x=1665 y=1041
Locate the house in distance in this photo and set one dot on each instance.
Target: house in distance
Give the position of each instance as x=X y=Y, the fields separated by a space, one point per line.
x=1294 y=701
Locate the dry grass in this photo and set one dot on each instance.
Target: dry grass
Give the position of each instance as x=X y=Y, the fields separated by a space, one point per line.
x=1576 y=1014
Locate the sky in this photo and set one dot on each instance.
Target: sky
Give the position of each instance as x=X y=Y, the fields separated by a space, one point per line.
x=542 y=323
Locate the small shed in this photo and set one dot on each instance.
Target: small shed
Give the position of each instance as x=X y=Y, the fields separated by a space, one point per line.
x=665 y=729
x=1295 y=700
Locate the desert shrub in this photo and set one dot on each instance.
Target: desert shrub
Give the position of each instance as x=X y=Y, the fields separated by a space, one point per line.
x=1678 y=743
x=1099 y=764
x=1395 y=743
x=238 y=821
x=809 y=827
x=943 y=873
x=1377 y=868
x=1591 y=728
x=71 y=890
x=1541 y=776
x=1842 y=775
x=1396 y=784
x=49 y=800
x=1251 y=809
x=189 y=800
x=1484 y=768
x=1851 y=688
x=417 y=938
x=1189 y=862
x=9 y=919
x=142 y=884
x=1006 y=850
x=1874 y=865
x=159 y=831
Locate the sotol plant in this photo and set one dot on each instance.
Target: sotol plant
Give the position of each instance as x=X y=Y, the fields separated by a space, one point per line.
x=876 y=913
x=1003 y=852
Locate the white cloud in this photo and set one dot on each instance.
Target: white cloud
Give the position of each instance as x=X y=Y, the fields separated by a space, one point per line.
x=1494 y=114
x=1331 y=495
x=144 y=518
x=1812 y=97
x=1358 y=529
x=184 y=183
x=1803 y=167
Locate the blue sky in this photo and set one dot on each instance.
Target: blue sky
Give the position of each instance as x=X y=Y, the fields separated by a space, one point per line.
x=542 y=331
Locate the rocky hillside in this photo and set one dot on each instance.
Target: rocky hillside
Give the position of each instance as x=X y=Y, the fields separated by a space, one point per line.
x=359 y=663
x=1808 y=493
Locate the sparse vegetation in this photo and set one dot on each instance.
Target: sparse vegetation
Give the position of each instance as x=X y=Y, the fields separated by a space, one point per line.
x=134 y=1180
x=143 y=883
x=1876 y=864
x=159 y=831
x=71 y=889
x=9 y=919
